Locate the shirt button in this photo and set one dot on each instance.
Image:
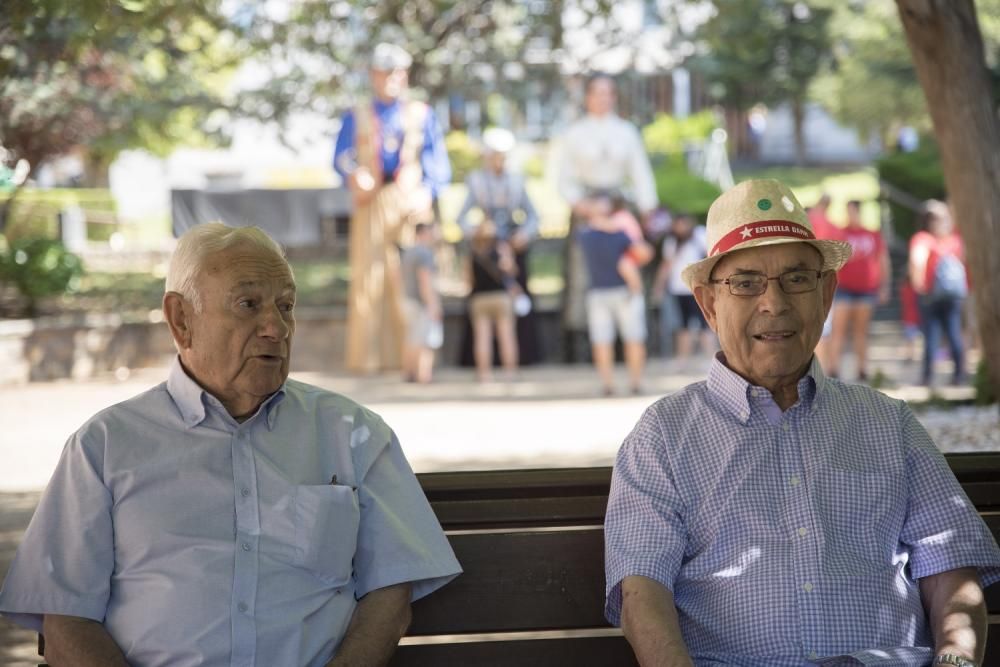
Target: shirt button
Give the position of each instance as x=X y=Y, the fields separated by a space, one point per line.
x=785 y=426
x=242 y=607
x=813 y=655
x=802 y=532
x=807 y=587
x=794 y=480
x=246 y=546
x=244 y=492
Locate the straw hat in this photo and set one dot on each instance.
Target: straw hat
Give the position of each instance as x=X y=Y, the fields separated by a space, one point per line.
x=759 y=213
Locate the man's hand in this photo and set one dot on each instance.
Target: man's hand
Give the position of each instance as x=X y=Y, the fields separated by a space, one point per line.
x=519 y=242
x=649 y=621
x=379 y=620
x=79 y=642
x=362 y=185
x=957 y=611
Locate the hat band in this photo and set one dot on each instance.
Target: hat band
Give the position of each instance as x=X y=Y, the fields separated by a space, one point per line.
x=760 y=230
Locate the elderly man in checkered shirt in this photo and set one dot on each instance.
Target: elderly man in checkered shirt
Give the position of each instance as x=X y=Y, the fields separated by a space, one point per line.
x=772 y=516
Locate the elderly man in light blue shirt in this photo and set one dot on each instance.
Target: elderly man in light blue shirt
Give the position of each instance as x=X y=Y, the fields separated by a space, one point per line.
x=773 y=517
x=228 y=516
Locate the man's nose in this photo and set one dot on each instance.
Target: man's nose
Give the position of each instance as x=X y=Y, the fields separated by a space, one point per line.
x=273 y=324
x=773 y=300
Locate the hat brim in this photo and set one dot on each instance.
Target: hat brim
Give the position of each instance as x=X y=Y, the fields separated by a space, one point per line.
x=835 y=255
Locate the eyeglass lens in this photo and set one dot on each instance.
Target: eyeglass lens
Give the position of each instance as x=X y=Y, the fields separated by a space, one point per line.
x=792 y=282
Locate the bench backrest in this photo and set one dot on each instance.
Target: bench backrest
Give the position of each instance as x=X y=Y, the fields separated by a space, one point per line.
x=531 y=545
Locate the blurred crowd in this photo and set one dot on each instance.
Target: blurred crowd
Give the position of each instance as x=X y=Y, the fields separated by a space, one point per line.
x=622 y=261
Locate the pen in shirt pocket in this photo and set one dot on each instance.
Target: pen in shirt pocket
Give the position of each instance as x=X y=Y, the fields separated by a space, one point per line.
x=334 y=482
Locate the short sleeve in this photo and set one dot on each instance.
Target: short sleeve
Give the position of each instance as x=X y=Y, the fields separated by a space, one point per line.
x=65 y=561
x=644 y=530
x=344 y=156
x=399 y=538
x=942 y=528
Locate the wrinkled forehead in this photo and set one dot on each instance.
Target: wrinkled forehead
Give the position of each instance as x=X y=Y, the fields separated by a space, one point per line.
x=248 y=264
x=770 y=259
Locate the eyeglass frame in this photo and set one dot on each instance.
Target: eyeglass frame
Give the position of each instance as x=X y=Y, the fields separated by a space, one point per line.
x=767 y=280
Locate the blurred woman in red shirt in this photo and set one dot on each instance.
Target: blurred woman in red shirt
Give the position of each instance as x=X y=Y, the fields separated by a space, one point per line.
x=938 y=274
x=861 y=283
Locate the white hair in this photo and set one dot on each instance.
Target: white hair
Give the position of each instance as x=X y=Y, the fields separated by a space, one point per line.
x=201 y=241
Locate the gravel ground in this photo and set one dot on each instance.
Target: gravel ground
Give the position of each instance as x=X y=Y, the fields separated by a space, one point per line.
x=963 y=428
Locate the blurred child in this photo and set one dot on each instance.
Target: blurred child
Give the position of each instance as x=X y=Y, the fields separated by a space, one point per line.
x=421 y=306
x=616 y=216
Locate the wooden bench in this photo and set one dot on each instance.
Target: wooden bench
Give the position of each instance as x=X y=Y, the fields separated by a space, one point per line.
x=532 y=547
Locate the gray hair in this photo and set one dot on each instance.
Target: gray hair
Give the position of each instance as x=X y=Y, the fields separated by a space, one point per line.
x=197 y=243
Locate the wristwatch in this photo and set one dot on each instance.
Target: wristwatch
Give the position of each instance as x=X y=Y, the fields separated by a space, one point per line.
x=956 y=660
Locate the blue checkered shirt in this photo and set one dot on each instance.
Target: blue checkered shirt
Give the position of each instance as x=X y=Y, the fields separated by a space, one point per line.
x=790 y=538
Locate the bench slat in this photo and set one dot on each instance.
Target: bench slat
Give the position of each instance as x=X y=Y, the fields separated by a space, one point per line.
x=521 y=512
x=589 y=651
x=496 y=499
x=517 y=483
x=519 y=581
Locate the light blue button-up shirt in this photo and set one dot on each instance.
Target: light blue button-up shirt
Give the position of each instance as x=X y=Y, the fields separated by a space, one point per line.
x=790 y=536
x=198 y=540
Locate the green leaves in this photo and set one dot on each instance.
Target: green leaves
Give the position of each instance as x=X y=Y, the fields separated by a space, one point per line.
x=40 y=268
x=110 y=74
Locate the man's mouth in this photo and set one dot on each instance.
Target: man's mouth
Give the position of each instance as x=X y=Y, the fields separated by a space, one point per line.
x=774 y=335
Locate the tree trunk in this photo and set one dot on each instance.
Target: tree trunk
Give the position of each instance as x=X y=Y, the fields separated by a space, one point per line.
x=798 y=116
x=736 y=128
x=95 y=169
x=947 y=49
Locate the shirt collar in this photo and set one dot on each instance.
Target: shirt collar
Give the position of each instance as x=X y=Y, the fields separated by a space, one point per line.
x=191 y=399
x=381 y=106
x=735 y=393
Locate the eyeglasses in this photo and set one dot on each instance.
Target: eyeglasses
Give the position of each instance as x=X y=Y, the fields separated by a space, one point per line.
x=755 y=284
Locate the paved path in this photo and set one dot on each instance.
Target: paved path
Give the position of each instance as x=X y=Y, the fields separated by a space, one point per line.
x=550 y=416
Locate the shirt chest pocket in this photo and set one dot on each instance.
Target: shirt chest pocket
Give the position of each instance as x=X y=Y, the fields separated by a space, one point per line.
x=862 y=515
x=319 y=524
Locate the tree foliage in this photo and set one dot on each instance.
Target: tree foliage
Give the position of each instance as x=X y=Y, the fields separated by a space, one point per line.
x=870 y=83
x=317 y=49
x=39 y=268
x=109 y=74
x=764 y=51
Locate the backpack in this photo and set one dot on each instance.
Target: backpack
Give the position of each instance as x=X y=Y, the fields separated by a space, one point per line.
x=949 y=278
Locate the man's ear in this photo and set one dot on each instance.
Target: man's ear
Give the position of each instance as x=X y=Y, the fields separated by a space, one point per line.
x=829 y=289
x=705 y=296
x=177 y=310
